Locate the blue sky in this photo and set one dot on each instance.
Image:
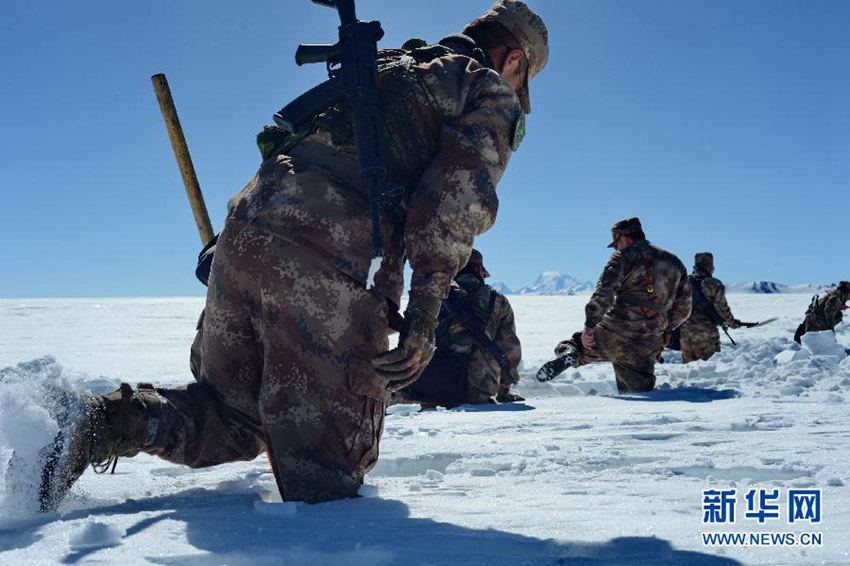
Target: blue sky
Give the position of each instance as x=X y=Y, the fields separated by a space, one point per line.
x=724 y=125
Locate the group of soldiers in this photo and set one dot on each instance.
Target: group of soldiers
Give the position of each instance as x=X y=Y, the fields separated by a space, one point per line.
x=643 y=303
x=292 y=355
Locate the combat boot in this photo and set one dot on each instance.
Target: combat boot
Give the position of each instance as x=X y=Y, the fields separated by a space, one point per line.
x=121 y=423
x=567 y=356
x=509 y=397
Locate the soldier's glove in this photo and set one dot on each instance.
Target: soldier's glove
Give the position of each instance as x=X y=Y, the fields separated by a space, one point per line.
x=403 y=364
x=736 y=323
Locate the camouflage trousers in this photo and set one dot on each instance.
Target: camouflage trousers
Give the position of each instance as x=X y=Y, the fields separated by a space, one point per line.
x=698 y=341
x=282 y=359
x=633 y=358
x=479 y=384
x=483 y=378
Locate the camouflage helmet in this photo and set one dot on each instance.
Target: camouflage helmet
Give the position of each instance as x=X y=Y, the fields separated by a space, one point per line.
x=476 y=260
x=531 y=33
x=627 y=227
x=704 y=261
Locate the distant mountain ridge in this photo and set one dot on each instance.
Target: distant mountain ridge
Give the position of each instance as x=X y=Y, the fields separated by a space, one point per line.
x=769 y=287
x=550 y=283
x=557 y=283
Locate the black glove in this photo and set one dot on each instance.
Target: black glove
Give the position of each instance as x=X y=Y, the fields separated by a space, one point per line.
x=563 y=347
x=403 y=364
x=736 y=323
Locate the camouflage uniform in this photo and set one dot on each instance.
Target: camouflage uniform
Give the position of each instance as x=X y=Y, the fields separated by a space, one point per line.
x=485 y=377
x=700 y=338
x=642 y=294
x=283 y=355
x=825 y=313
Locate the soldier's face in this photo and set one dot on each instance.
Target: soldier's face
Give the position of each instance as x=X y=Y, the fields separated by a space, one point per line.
x=623 y=242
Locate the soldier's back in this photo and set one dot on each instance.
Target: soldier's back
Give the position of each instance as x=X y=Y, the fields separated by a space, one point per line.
x=650 y=275
x=308 y=189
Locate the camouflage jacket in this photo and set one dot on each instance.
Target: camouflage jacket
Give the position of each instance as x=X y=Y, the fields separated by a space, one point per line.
x=715 y=294
x=498 y=324
x=632 y=284
x=827 y=314
x=448 y=126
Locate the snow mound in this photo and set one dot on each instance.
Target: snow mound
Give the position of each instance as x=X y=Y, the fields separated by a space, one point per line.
x=823 y=344
x=764 y=363
x=96 y=534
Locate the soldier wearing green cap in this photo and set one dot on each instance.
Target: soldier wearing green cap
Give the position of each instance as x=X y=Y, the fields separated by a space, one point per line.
x=292 y=352
x=642 y=295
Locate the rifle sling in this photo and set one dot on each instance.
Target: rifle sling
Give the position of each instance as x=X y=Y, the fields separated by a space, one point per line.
x=461 y=311
x=702 y=302
x=708 y=307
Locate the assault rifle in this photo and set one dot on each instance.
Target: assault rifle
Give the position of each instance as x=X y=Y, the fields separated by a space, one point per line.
x=353 y=76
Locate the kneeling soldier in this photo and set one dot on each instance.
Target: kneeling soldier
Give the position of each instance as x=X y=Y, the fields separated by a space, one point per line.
x=642 y=295
x=478 y=351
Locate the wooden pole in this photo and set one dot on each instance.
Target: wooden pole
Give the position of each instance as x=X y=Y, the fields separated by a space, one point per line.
x=184 y=160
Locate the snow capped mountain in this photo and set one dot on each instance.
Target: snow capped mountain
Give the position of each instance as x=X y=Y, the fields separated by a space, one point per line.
x=556 y=283
x=501 y=287
x=769 y=287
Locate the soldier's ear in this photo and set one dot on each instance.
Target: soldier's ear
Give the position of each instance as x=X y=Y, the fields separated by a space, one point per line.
x=514 y=59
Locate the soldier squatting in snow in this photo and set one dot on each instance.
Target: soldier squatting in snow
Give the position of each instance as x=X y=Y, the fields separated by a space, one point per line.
x=478 y=350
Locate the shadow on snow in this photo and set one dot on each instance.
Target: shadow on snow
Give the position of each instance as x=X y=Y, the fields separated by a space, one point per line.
x=688 y=394
x=226 y=527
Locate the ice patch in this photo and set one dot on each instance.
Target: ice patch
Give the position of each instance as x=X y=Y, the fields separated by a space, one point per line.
x=787 y=356
x=96 y=535
x=823 y=344
x=434 y=476
x=369 y=491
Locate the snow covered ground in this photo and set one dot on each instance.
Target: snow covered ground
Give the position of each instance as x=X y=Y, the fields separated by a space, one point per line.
x=575 y=475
